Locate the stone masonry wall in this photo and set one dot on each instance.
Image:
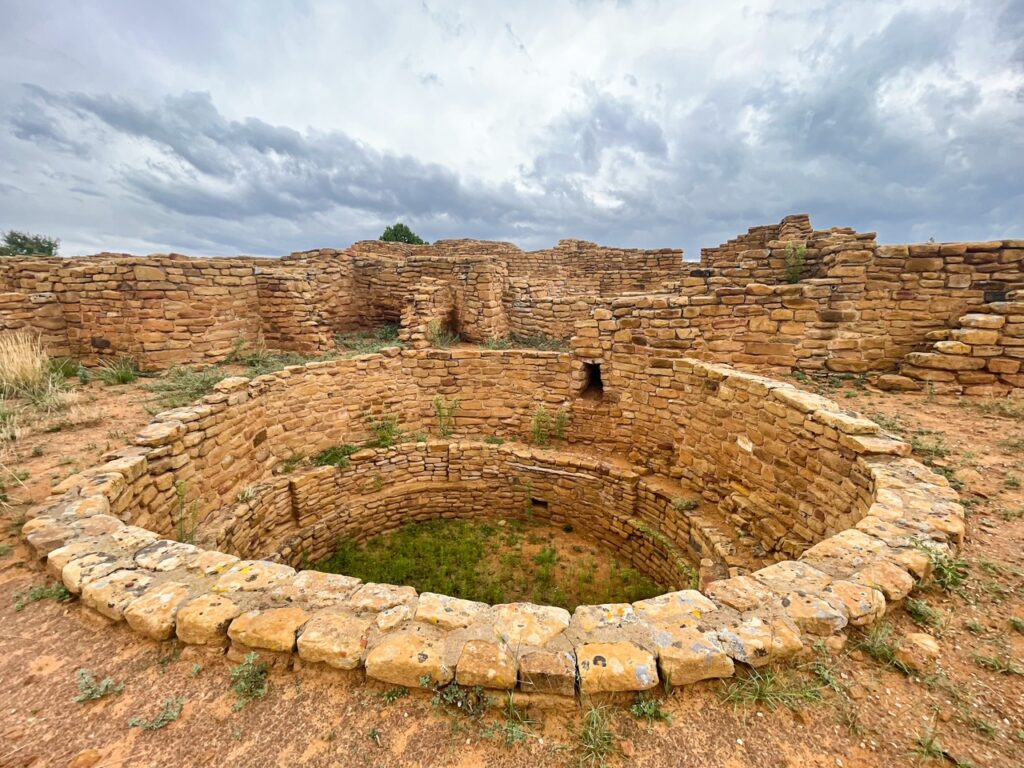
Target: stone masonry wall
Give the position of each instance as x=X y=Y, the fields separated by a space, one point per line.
x=164 y=588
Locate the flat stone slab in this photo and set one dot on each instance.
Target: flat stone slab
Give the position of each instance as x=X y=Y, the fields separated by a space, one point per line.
x=548 y=671
x=448 y=612
x=252 y=576
x=686 y=655
x=111 y=594
x=529 y=624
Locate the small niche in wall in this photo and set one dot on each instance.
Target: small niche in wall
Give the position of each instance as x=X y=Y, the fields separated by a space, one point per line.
x=538 y=507
x=593 y=386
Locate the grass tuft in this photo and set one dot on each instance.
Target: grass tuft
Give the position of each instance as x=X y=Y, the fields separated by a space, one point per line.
x=771 y=688
x=249 y=680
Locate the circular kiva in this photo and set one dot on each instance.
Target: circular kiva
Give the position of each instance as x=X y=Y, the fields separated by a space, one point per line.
x=811 y=519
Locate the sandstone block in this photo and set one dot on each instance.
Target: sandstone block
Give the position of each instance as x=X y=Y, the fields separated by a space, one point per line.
x=486 y=663
x=205 y=620
x=111 y=594
x=154 y=612
x=548 y=671
x=447 y=612
x=621 y=666
x=409 y=659
x=336 y=639
x=528 y=624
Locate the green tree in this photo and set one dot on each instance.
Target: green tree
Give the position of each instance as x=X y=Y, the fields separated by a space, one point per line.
x=400 y=233
x=24 y=244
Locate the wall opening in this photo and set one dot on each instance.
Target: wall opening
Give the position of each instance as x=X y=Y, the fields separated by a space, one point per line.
x=593 y=386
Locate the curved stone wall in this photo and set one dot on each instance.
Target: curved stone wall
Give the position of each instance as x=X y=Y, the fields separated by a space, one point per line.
x=780 y=461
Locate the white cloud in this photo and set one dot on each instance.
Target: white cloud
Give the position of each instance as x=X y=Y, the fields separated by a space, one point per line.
x=263 y=128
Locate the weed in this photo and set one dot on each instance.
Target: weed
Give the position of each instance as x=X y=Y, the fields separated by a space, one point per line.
x=982 y=726
x=1012 y=482
x=336 y=456
x=537 y=341
x=445 y=412
x=1017 y=623
x=5 y=550
x=771 y=688
x=685 y=505
x=596 y=738
x=517 y=726
x=90 y=690
x=541 y=427
x=927 y=745
x=170 y=712
x=249 y=680
x=37 y=451
x=187 y=524
x=471 y=702
x=1003 y=664
x=182 y=386
x=494 y=440
x=1013 y=445
x=929 y=448
x=1008 y=407
x=374 y=736
x=878 y=643
x=889 y=423
x=440 y=336
x=795 y=259
x=55 y=591
x=122 y=370
x=369 y=342
x=247 y=494
x=825 y=670
x=646 y=708
x=24 y=364
x=974 y=627
x=561 y=424
x=290 y=464
x=391 y=695
x=923 y=614
x=386 y=432
x=949 y=571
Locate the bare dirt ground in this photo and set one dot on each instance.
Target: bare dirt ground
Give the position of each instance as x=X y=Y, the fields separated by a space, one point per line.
x=968 y=714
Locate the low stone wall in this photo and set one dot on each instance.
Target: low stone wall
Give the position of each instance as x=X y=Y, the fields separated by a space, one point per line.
x=163 y=588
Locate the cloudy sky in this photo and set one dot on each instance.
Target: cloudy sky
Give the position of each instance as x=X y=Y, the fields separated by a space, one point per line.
x=217 y=127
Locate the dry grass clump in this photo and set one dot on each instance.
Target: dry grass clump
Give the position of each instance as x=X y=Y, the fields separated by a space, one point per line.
x=24 y=364
x=27 y=373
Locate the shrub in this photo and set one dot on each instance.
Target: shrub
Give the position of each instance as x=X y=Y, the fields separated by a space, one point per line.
x=90 y=690
x=646 y=708
x=796 y=257
x=541 y=427
x=23 y=244
x=445 y=415
x=400 y=233
x=170 y=712
x=369 y=342
x=386 y=431
x=123 y=370
x=335 y=456
x=249 y=680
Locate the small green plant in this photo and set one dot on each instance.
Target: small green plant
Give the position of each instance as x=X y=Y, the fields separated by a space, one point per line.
x=929 y=447
x=517 y=726
x=90 y=690
x=596 y=738
x=374 y=736
x=56 y=591
x=1012 y=482
x=249 y=680
x=927 y=745
x=685 y=505
x=336 y=456
x=440 y=336
x=247 y=494
x=182 y=385
x=974 y=627
x=1002 y=664
x=5 y=550
x=391 y=695
x=646 y=708
x=795 y=259
x=187 y=523
x=949 y=571
x=171 y=711
x=1017 y=623
x=445 y=412
x=541 y=427
x=289 y=465
x=386 y=432
x=771 y=688
x=494 y=440
x=471 y=702
x=369 y=342
x=924 y=614
x=878 y=643
x=122 y=370
x=561 y=424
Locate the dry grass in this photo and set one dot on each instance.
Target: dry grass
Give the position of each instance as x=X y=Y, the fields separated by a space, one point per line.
x=24 y=364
